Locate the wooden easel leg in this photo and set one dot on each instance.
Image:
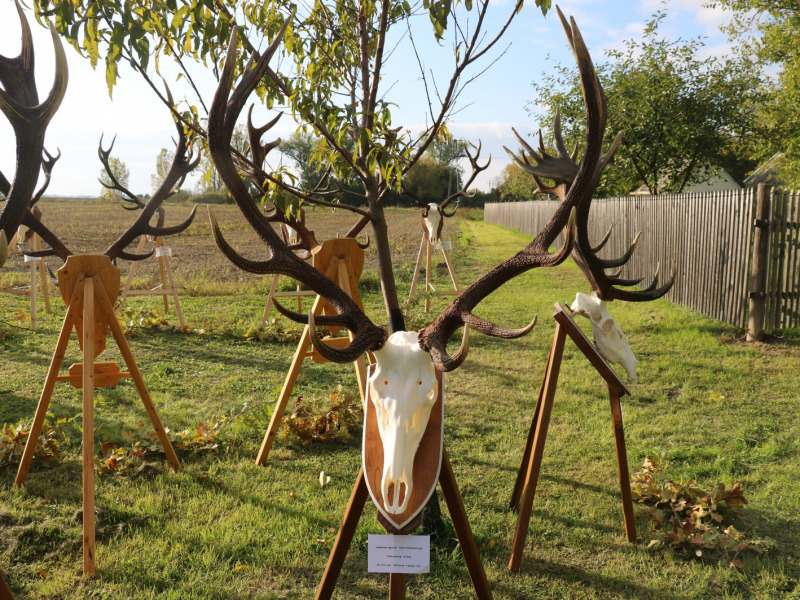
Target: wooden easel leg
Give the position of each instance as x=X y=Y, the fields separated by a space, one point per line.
x=75 y=306
x=415 y=278
x=136 y=375
x=5 y=591
x=162 y=273
x=286 y=391
x=622 y=466
x=355 y=507
x=526 y=455
x=535 y=462
x=88 y=425
x=37 y=245
x=397 y=586
x=134 y=265
x=171 y=281
x=272 y=289
x=429 y=255
x=450 y=268
x=455 y=505
x=32 y=294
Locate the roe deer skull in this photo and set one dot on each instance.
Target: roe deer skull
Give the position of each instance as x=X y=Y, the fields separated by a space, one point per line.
x=403 y=389
x=608 y=335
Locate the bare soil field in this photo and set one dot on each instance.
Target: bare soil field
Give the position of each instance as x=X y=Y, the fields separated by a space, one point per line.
x=90 y=226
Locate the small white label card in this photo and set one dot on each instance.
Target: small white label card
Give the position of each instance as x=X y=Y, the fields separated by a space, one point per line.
x=399 y=553
x=445 y=244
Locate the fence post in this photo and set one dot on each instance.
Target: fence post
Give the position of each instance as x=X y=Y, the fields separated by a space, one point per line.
x=759 y=267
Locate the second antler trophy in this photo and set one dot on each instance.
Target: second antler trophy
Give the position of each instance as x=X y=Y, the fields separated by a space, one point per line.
x=433 y=218
x=403 y=454
x=89 y=285
x=166 y=287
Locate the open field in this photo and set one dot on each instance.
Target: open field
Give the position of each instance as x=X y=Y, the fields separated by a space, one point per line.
x=714 y=407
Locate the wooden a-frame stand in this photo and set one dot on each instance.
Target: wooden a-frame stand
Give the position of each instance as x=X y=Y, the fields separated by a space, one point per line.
x=273 y=293
x=165 y=288
x=528 y=474
x=89 y=283
x=427 y=248
x=35 y=265
x=397 y=581
x=341 y=259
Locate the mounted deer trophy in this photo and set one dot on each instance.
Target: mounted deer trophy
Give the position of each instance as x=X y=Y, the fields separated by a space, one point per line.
x=562 y=170
x=402 y=395
x=19 y=102
x=130 y=201
x=89 y=283
x=433 y=216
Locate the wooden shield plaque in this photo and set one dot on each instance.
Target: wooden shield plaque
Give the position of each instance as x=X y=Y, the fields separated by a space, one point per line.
x=425 y=472
x=106 y=274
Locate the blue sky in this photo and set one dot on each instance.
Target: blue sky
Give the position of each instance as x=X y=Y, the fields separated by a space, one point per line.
x=490 y=106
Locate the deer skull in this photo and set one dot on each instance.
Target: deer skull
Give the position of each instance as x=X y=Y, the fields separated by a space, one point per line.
x=432 y=216
x=608 y=335
x=403 y=389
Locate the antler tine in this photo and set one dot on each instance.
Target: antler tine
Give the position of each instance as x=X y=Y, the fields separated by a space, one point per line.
x=433 y=338
x=19 y=102
x=476 y=169
x=452 y=213
x=257 y=149
x=57 y=246
x=127 y=195
x=183 y=162
x=225 y=109
x=47 y=168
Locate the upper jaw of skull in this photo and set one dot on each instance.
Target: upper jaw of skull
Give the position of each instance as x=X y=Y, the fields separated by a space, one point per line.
x=432 y=222
x=608 y=335
x=403 y=389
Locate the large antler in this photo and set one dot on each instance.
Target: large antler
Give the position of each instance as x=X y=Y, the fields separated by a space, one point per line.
x=562 y=170
x=434 y=337
x=133 y=202
x=225 y=110
x=19 y=101
x=182 y=164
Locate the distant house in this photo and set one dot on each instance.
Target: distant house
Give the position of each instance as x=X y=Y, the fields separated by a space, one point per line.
x=714 y=181
x=767 y=172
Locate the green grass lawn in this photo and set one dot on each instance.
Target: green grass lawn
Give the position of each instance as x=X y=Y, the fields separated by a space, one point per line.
x=716 y=409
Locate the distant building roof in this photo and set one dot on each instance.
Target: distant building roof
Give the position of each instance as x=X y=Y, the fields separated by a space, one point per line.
x=767 y=172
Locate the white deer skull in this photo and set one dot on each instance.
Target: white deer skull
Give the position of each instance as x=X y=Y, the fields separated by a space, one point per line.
x=403 y=389
x=433 y=222
x=608 y=335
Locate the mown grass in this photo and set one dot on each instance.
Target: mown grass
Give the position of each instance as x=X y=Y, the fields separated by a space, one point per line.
x=716 y=408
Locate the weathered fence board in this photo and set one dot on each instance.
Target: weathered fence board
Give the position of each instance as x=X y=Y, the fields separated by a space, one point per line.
x=709 y=236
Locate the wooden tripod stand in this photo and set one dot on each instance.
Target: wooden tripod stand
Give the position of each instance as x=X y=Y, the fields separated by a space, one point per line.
x=528 y=474
x=166 y=287
x=88 y=283
x=342 y=261
x=426 y=247
x=36 y=265
x=397 y=582
x=273 y=293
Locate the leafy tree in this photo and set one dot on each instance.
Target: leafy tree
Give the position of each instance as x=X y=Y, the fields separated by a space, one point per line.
x=331 y=79
x=305 y=150
x=430 y=181
x=163 y=162
x=768 y=31
x=516 y=184
x=682 y=115
x=122 y=174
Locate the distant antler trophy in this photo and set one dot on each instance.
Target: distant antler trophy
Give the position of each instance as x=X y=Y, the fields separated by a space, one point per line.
x=433 y=216
x=166 y=287
x=403 y=452
x=89 y=283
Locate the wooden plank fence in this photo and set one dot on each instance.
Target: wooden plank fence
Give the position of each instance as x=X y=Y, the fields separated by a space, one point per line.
x=708 y=236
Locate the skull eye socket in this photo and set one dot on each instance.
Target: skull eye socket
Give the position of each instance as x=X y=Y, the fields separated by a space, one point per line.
x=419 y=382
x=385 y=382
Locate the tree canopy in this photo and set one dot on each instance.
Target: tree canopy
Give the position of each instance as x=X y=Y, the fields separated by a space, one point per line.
x=681 y=114
x=768 y=30
x=330 y=78
x=122 y=175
